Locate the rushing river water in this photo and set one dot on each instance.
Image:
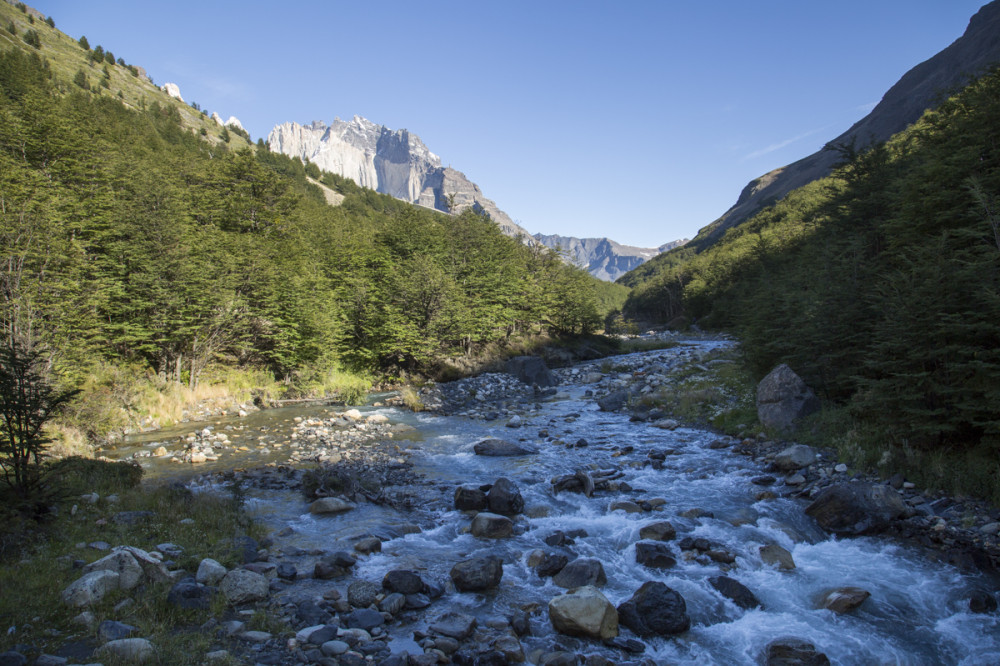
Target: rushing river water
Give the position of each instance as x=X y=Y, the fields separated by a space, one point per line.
x=918 y=610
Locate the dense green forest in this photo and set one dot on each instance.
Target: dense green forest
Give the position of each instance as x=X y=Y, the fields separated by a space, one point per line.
x=879 y=284
x=128 y=238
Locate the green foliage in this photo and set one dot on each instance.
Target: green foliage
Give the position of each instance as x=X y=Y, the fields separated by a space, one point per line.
x=80 y=79
x=11 y=28
x=31 y=38
x=97 y=55
x=27 y=402
x=84 y=44
x=50 y=22
x=880 y=284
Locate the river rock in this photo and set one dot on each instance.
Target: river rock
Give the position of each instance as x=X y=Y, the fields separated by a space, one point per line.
x=793 y=652
x=795 y=457
x=368 y=545
x=505 y=497
x=189 y=593
x=584 y=612
x=469 y=498
x=392 y=603
x=241 y=586
x=363 y=593
x=775 y=554
x=581 y=572
x=363 y=618
x=131 y=650
x=551 y=564
x=982 y=602
x=613 y=401
x=112 y=630
x=210 y=572
x=735 y=591
x=856 y=508
x=659 y=531
x=477 y=573
x=654 y=554
x=121 y=562
x=844 y=599
x=403 y=581
x=655 y=610
x=454 y=625
x=496 y=448
x=491 y=526
x=783 y=398
x=90 y=588
x=326 y=505
x=530 y=370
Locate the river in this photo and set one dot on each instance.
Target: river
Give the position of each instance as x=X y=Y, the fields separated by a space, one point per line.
x=918 y=611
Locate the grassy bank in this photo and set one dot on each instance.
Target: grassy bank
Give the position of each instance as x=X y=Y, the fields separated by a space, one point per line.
x=40 y=557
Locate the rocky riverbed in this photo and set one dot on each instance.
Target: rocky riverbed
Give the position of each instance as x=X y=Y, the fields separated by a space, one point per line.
x=568 y=524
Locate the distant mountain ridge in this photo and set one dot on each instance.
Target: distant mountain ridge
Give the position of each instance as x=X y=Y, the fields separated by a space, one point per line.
x=919 y=89
x=394 y=162
x=602 y=257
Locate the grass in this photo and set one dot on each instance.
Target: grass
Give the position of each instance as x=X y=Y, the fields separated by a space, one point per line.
x=37 y=560
x=66 y=58
x=411 y=398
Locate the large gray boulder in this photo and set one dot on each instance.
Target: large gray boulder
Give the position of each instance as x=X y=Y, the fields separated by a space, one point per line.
x=241 y=586
x=131 y=650
x=856 y=508
x=91 y=588
x=655 y=610
x=795 y=457
x=584 y=612
x=790 y=651
x=491 y=526
x=505 y=498
x=493 y=447
x=477 y=573
x=530 y=370
x=783 y=398
x=121 y=562
x=581 y=572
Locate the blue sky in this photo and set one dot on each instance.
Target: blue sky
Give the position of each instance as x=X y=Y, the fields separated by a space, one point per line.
x=640 y=121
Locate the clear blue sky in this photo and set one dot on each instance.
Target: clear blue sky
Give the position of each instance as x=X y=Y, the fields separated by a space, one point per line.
x=640 y=121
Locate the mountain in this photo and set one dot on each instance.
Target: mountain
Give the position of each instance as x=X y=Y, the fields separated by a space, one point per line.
x=602 y=257
x=394 y=162
x=921 y=88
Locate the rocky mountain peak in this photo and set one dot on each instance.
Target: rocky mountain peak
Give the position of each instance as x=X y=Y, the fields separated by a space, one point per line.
x=394 y=162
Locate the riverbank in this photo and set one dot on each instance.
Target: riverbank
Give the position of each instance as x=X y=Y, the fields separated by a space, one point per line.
x=404 y=504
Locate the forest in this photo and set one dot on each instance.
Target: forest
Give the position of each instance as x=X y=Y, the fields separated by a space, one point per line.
x=880 y=285
x=130 y=240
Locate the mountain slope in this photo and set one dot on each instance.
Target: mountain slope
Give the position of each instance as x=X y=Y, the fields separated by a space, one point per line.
x=602 y=257
x=396 y=163
x=919 y=89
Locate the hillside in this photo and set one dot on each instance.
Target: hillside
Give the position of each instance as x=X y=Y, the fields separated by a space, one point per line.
x=921 y=88
x=880 y=285
x=136 y=237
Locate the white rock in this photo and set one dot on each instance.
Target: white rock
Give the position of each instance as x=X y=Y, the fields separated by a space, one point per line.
x=91 y=588
x=217 y=118
x=121 y=562
x=128 y=649
x=353 y=414
x=377 y=418
x=234 y=122
x=173 y=90
x=210 y=572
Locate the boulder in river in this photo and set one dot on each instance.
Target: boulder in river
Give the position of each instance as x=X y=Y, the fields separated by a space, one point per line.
x=654 y=554
x=505 y=498
x=844 y=599
x=477 y=573
x=655 y=610
x=735 y=591
x=330 y=505
x=659 y=531
x=493 y=447
x=530 y=370
x=403 y=581
x=469 y=498
x=981 y=601
x=584 y=612
x=491 y=526
x=793 y=652
x=775 y=554
x=454 y=625
x=613 y=401
x=580 y=572
x=856 y=508
x=783 y=398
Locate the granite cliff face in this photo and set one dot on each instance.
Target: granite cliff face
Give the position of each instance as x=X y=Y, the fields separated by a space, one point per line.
x=394 y=162
x=602 y=257
x=919 y=89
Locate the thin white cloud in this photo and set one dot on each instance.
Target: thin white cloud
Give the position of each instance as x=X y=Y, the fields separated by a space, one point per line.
x=781 y=144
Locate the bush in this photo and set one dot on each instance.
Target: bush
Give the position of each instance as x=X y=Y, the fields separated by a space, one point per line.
x=31 y=38
x=27 y=402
